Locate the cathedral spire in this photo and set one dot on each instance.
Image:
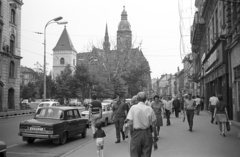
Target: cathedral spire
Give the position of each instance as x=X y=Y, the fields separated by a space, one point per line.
x=106 y=43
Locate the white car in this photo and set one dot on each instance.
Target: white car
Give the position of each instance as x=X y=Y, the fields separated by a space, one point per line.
x=106 y=114
x=48 y=104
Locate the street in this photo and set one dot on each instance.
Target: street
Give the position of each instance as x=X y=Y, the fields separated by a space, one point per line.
x=40 y=148
x=175 y=140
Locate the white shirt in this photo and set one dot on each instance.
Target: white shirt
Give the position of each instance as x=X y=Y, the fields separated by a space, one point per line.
x=213 y=100
x=197 y=100
x=168 y=105
x=141 y=115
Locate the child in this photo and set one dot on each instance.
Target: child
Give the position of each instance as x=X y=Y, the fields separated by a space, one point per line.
x=99 y=136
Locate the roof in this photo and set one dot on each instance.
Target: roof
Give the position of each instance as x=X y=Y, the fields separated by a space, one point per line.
x=64 y=42
x=61 y=107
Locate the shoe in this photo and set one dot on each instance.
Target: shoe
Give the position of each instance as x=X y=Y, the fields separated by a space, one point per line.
x=212 y=121
x=126 y=136
x=216 y=123
x=118 y=141
x=224 y=135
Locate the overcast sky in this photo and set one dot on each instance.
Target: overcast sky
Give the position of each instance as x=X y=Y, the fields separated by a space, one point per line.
x=154 y=23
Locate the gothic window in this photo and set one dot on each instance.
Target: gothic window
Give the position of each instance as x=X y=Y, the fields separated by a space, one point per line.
x=11 y=98
x=11 y=69
x=62 y=61
x=12 y=44
x=13 y=16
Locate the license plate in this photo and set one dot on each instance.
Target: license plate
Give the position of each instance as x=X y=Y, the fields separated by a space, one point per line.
x=36 y=129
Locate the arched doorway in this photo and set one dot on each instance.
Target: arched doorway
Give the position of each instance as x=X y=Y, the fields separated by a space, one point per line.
x=11 y=98
x=1 y=95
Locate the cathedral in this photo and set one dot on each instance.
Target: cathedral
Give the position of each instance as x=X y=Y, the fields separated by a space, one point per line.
x=103 y=63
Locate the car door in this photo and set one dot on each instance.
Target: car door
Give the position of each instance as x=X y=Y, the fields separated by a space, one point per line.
x=73 y=123
x=80 y=123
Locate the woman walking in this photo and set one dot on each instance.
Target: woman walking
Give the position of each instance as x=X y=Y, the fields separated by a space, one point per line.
x=221 y=115
x=157 y=106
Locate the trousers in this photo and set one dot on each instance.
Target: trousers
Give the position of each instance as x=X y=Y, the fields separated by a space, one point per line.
x=119 y=122
x=141 y=143
x=190 y=115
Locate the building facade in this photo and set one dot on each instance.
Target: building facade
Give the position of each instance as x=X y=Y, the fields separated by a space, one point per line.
x=215 y=39
x=10 y=54
x=26 y=75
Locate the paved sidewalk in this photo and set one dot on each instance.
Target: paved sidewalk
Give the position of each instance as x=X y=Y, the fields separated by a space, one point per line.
x=175 y=141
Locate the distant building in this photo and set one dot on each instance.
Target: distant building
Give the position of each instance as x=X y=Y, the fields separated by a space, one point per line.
x=10 y=54
x=105 y=63
x=64 y=54
x=26 y=75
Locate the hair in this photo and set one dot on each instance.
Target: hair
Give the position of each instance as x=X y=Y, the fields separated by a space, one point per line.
x=142 y=96
x=220 y=97
x=98 y=126
x=156 y=96
x=94 y=97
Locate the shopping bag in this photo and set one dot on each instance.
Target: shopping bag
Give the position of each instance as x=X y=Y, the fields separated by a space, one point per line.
x=228 y=126
x=184 y=119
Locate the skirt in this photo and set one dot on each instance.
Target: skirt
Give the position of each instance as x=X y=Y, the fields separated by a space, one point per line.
x=221 y=117
x=159 y=120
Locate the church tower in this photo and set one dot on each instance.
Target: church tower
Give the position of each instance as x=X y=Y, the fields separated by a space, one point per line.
x=63 y=54
x=106 y=43
x=124 y=33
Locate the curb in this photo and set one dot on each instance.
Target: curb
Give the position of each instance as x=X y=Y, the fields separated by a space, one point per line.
x=10 y=114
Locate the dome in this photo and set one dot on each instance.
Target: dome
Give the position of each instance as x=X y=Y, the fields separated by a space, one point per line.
x=124 y=25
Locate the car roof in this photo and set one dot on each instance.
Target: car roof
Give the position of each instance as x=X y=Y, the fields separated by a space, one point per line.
x=61 y=107
x=48 y=102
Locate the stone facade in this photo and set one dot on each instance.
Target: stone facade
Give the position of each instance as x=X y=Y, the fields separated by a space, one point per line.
x=10 y=54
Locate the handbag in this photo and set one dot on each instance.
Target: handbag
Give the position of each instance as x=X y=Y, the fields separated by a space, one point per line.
x=228 y=126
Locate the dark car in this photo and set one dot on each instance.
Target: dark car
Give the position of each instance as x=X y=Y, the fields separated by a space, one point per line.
x=3 y=149
x=56 y=123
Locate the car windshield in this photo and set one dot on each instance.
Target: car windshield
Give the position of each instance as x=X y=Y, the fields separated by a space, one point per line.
x=51 y=113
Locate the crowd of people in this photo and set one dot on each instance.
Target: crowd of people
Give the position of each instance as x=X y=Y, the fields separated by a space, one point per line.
x=142 y=119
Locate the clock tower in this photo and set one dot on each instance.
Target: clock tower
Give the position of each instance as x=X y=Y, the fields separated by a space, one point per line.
x=124 y=33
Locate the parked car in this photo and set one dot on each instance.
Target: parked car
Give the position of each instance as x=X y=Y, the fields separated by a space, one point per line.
x=48 y=104
x=46 y=100
x=106 y=114
x=3 y=149
x=56 y=123
x=75 y=102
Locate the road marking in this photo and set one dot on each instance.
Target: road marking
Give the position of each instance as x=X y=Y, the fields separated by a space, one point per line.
x=12 y=146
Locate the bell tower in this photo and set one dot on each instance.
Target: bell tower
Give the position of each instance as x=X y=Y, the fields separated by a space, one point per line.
x=124 y=33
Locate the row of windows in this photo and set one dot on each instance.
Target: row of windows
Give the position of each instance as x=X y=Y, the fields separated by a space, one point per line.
x=13 y=13
x=217 y=24
x=62 y=61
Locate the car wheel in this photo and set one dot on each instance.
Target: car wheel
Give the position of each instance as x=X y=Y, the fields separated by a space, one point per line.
x=30 y=140
x=106 y=122
x=63 y=138
x=84 y=134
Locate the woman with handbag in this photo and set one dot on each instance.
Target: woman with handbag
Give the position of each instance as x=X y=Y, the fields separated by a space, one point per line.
x=221 y=115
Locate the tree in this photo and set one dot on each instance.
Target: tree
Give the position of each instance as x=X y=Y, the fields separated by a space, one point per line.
x=28 y=91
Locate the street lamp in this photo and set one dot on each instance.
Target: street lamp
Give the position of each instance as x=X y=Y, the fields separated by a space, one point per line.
x=55 y=20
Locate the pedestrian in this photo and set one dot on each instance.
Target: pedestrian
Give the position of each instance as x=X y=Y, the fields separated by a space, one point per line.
x=140 y=118
x=95 y=112
x=157 y=107
x=189 y=105
x=99 y=136
x=221 y=115
x=212 y=103
x=118 y=117
x=198 y=104
x=168 y=108
x=202 y=103
x=176 y=106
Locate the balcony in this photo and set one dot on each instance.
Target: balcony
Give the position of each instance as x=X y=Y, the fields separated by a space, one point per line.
x=197 y=32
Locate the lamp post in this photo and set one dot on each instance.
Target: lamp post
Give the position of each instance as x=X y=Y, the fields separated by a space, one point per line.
x=55 y=20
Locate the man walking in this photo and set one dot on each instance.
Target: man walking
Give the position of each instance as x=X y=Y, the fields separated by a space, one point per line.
x=168 y=109
x=118 y=117
x=140 y=118
x=212 y=103
x=176 y=106
x=189 y=107
x=95 y=112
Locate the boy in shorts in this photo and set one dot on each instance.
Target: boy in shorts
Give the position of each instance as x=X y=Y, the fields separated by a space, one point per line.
x=99 y=136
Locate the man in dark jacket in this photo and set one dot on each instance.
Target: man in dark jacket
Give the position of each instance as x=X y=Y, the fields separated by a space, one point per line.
x=176 y=105
x=118 y=117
